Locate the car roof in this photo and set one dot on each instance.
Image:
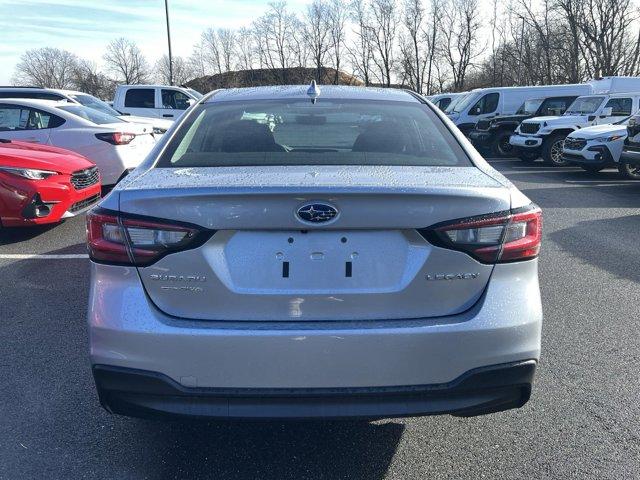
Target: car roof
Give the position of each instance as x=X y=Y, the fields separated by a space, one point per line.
x=35 y=102
x=300 y=91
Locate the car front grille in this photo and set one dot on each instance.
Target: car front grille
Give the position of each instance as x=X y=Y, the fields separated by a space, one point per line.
x=85 y=178
x=82 y=204
x=574 y=143
x=483 y=125
x=526 y=127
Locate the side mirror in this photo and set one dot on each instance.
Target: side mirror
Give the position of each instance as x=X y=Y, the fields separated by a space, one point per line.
x=475 y=111
x=607 y=112
x=191 y=102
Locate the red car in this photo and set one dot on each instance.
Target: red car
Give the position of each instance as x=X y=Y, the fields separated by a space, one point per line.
x=43 y=184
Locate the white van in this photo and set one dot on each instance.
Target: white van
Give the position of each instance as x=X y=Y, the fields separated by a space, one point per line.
x=489 y=102
x=612 y=99
x=161 y=101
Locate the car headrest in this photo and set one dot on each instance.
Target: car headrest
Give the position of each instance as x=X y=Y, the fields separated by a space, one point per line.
x=383 y=137
x=248 y=136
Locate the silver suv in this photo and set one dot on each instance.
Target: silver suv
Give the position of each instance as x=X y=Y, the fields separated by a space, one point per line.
x=294 y=252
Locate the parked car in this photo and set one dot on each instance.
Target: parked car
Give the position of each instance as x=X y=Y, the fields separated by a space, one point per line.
x=355 y=258
x=42 y=184
x=613 y=99
x=116 y=147
x=485 y=103
x=443 y=100
x=161 y=101
x=596 y=148
x=630 y=157
x=160 y=126
x=493 y=133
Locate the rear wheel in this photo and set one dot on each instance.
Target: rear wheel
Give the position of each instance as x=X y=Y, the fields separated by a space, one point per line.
x=591 y=168
x=629 y=171
x=500 y=146
x=552 y=150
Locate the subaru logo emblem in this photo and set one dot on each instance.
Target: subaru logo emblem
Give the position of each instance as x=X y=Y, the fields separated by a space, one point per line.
x=317 y=213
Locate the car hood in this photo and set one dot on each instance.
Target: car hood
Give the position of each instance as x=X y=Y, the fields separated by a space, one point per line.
x=599 y=131
x=155 y=122
x=509 y=118
x=43 y=157
x=557 y=120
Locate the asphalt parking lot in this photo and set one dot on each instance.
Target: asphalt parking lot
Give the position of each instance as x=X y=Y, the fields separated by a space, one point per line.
x=583 y=420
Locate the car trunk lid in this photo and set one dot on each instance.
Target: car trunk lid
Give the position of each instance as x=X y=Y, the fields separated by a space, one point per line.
x=264 y=264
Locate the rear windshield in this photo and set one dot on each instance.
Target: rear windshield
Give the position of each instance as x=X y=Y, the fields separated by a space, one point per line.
x=90 y=114
x=298 y=132
x=95 y=103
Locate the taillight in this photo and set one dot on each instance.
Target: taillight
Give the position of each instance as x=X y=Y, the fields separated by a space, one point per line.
x=495 y=238
x=116 y=138
x=127 y=240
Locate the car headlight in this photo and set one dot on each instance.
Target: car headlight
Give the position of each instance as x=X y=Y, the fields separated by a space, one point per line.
x=30 y=173
x=612 y=138
x=159 y=131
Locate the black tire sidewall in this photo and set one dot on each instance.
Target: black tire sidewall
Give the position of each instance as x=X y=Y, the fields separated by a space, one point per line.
x=623 y=168
x=495 y=144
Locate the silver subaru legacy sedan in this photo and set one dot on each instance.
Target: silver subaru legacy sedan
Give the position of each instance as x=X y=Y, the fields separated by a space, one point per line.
x=311 y=252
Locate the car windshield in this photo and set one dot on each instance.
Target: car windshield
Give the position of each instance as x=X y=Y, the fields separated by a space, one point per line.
x=584 y=105
x=195 y=93
x=465 y=102
x=95 y=103
x=454 y=101
x=530 y=107
x=90 y=114
x=298 y=132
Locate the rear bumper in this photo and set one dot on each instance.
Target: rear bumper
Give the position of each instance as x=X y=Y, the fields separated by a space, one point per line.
x=127 y=331
x=480 y=391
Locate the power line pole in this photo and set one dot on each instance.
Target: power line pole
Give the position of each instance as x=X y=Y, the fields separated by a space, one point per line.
x=166 y=10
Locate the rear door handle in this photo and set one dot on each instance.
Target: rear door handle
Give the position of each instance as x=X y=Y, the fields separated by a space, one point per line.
x=168 y=115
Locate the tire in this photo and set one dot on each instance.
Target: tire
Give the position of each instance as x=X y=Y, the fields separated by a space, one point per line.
x=591 y=168
x=500 y=146
x=552 y=151
x=629 y=171
x=528 y=157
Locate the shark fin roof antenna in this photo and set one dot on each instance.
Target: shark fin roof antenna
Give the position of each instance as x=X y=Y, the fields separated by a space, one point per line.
x=313 y=91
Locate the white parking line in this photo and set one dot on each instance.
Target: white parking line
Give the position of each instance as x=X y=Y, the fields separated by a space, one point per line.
x=37 y=256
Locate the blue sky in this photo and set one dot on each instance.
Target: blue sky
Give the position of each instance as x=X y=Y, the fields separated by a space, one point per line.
x=85 y=27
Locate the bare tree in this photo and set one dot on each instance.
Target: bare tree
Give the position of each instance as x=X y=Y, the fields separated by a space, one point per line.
x=460 y=38
x=317 y=33
x=197 y=60
x=609 y=38
x=245 y=49
x=361 y=49
x=337 y=21
x=412 y=46
x=46 y=67
x=433 y=40
x=87 y=78
x=227 y=42
x=125 y=60
x=181 y=73
x=384 y=24
x=276 y=38
x=211 y=50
